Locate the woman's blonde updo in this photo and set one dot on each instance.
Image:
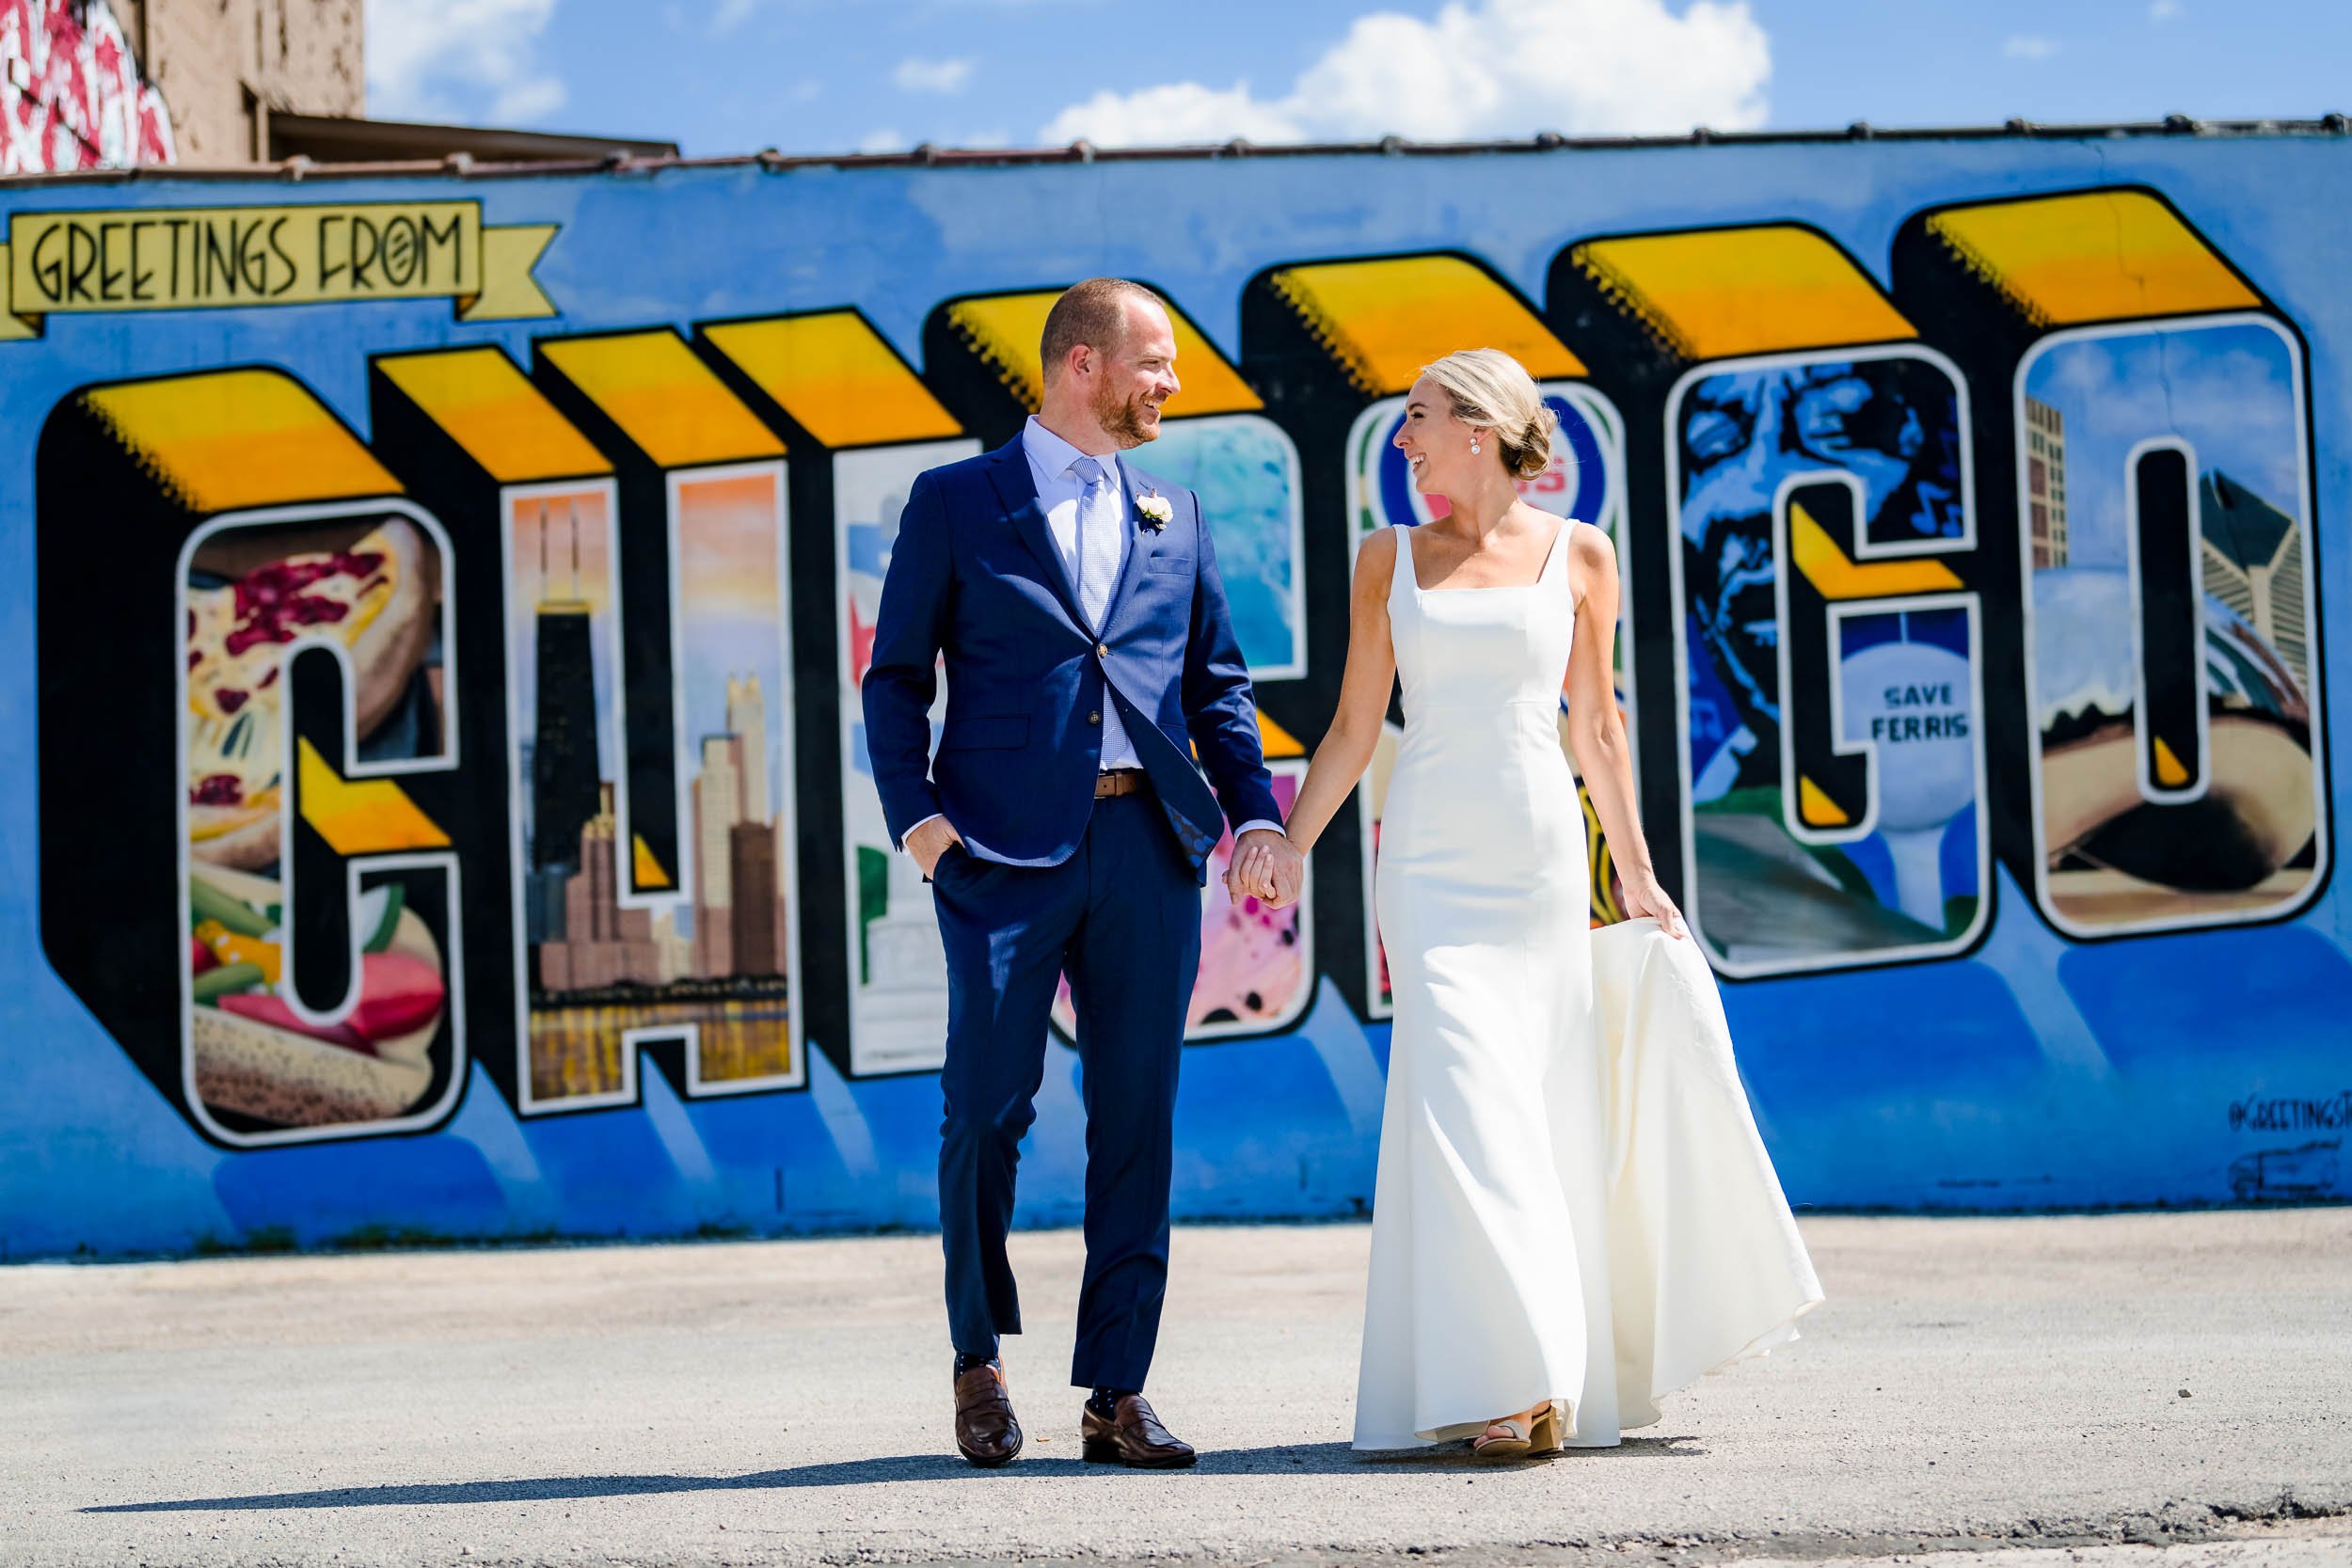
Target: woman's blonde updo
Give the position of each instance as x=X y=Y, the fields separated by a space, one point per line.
x=1492 y=389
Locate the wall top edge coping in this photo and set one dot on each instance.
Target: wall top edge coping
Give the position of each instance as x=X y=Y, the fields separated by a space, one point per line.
x=297 y=169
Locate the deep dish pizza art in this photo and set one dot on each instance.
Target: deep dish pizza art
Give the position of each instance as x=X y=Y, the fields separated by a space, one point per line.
x=375 y=596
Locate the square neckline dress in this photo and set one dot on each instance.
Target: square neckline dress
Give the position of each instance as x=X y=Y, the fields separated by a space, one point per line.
x=1572 y=1201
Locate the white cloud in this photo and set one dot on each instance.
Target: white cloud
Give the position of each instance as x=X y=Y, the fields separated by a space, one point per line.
x=1177 y=113
x=468 y=60
x=727 y=15
x=1480 y=68
x=2165 y=11
x=525 y=102
x=931 y=76
x=2029 y=46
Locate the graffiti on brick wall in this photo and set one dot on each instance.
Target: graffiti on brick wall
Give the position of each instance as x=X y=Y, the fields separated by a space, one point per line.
x=71 y=93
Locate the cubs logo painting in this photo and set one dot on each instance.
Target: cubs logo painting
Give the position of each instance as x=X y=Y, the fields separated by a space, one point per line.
x=454 y=815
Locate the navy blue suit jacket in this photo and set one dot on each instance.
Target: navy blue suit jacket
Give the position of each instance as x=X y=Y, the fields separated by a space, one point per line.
x=974 y=575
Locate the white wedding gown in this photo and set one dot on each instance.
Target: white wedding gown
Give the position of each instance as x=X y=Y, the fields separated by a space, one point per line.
x=1572 y=1201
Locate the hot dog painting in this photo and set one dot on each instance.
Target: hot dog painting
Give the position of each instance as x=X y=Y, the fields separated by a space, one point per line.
x=257 y=1057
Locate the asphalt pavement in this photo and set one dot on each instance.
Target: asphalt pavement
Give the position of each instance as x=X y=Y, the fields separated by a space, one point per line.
x=2101 y=1392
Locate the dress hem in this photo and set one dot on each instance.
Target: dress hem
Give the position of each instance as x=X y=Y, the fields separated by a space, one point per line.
x=1781 y=1333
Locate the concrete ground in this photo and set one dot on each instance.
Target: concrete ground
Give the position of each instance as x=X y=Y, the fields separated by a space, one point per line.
x=2109 y=1392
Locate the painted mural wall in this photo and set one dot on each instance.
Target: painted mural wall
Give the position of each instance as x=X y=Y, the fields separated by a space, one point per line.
x=436 y=607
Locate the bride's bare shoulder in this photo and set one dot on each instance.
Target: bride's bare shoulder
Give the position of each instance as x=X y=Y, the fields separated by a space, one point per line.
x=1590 y=551
x=1592 y=560
x=1376 y=560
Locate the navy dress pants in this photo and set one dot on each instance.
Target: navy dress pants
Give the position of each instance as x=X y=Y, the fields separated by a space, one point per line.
x=1122 y=916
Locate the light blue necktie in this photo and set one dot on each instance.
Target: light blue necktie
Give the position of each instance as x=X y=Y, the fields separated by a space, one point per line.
x=1099 y=531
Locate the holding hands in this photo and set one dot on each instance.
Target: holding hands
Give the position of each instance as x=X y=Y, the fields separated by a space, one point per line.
x=1266 y=867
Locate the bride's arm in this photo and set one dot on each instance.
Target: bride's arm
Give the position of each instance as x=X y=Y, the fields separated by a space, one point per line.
x=1347 y=746
x=1597 y=731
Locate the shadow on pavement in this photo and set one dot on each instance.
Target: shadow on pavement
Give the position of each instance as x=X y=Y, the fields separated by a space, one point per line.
x=1302 y=1458
x=1332 y=1458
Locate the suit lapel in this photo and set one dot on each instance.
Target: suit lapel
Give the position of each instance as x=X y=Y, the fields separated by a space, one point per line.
x=1017 y=489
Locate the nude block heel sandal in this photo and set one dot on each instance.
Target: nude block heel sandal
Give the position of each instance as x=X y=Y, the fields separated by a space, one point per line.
x=1527 y=1437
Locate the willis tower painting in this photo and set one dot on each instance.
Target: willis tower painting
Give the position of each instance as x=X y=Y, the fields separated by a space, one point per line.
x=562 y=748
x=693 y=975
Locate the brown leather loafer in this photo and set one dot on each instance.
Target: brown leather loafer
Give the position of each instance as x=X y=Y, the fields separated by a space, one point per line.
x=1135 y=1439
x=987 y=1433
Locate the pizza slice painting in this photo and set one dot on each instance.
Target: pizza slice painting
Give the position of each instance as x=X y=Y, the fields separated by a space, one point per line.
x=371 y=584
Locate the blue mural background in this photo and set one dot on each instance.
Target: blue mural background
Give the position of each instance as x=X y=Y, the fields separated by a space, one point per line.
x=2034 y=1071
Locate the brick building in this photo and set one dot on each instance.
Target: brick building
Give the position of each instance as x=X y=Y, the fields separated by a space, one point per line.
x=226 y=66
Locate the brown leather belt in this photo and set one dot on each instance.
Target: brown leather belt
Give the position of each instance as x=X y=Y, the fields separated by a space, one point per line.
x=1119 y=781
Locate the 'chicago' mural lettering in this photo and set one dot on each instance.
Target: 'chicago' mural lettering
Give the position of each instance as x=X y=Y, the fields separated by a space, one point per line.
x=506 y=745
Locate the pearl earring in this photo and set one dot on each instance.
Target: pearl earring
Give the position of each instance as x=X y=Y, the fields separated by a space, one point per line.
x=1474 y=446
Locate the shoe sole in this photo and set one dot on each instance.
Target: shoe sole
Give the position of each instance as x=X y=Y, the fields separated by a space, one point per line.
x=1103 y=1453
x=985 y=1464
x=1503 y=1447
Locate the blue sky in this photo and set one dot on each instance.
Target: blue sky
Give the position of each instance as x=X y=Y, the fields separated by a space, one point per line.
x=722 y=76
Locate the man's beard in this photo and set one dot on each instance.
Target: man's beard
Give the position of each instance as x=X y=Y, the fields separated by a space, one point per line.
x=1122 y=420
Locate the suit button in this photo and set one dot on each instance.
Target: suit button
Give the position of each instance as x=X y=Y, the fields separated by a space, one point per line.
x=1094 y=717
x=1101 y=650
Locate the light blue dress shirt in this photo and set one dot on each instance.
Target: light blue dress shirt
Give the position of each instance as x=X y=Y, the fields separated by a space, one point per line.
x=1059 y=491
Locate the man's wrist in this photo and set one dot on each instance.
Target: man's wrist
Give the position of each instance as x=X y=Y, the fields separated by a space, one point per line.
x=935 y=817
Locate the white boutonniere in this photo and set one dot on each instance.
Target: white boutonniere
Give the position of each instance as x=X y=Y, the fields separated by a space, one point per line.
x=1156 y=511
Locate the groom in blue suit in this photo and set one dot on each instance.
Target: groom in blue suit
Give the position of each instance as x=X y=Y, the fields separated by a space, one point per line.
x=1066 y=828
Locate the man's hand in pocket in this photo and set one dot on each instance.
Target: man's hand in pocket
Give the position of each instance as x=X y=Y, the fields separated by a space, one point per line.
x=930 y=840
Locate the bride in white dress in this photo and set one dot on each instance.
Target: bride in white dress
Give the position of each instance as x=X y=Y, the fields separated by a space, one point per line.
x=1574 y=1213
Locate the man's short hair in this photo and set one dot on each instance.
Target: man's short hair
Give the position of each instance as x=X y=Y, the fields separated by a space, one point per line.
x=1094 y=312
